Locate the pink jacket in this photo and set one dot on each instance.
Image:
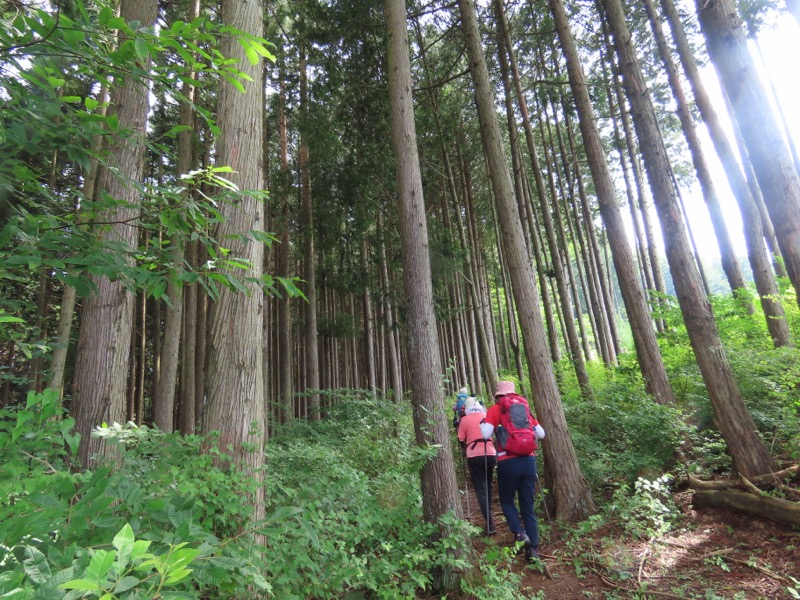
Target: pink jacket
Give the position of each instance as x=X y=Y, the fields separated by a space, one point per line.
x=469 y=431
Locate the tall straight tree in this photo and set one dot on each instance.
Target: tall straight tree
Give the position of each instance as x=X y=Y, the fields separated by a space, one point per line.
x=644 y=338
x=101 y=369
x=284 y=316
x=166 y=383
x=775 y=170
x=235 y=384
x=750 y=455
x=310 y=339
x=439 y=490
x=572 y=496
x=754 y=230
x=548 y=208
x=730 y=264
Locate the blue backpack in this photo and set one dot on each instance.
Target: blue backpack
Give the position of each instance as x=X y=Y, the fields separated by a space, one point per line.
x=459 y=408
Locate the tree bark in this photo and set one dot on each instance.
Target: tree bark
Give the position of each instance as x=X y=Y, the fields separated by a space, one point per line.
x=310 y=343
x=439 y=490
x=61 y=345
x=101 y=369
x=369 y=328
x=168 y=374
x=750 y=455
x=775 y=509
x=754 y=225
x=284 y=320
x=235 y=384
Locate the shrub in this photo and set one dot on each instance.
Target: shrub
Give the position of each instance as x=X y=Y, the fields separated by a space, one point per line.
x=622 y=433
x=110 y=531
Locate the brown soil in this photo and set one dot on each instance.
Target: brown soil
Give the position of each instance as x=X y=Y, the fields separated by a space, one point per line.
x=712 y=554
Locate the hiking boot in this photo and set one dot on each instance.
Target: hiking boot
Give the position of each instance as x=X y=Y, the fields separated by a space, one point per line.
x=531 y=554
x=525 y=540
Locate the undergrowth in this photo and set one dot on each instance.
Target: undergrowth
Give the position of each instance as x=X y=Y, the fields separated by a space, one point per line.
x=343 y=507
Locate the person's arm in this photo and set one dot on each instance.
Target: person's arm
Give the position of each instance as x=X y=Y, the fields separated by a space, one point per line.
x=462 y=431
x=538 y=431
x=490 y=421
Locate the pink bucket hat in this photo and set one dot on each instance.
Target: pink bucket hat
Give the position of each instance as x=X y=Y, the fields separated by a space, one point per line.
x=504 y=387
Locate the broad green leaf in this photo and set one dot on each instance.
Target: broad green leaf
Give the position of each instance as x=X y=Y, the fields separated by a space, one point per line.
x=235 y=83
x=126 y=583
x=177 y=575
x=123 y=542
x=249 y=52
x=100 y=565
x=139 y=549
x=159 y=290
x=117 y=23
x=7 y=319
x=105 y=16
x=142 y=51
x=35 y=565
x=259 y=47
x=80 y=584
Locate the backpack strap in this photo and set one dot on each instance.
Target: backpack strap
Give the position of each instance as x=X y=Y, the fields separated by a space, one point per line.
x=472 y=445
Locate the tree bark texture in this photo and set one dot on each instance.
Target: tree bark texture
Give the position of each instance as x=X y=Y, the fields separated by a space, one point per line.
x=754 y=230
x=310 y=337
x=101 y=369
x=573 y=345
x=439 y=489
x=235 y=384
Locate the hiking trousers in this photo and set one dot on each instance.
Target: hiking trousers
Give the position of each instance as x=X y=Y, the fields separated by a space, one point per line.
x=481 y=470
x=516 y=480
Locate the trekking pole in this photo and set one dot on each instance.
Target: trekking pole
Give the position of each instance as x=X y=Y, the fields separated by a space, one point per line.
x=466 y=486
x=486 y=488
x=544 y=503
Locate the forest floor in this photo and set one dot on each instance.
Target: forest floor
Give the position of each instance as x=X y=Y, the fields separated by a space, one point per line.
x=712 y=554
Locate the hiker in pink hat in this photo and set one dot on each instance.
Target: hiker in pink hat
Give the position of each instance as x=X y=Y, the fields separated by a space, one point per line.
x=516 y=432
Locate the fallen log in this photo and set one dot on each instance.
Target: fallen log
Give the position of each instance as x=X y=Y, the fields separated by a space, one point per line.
x=774 y=509
x=724 y=484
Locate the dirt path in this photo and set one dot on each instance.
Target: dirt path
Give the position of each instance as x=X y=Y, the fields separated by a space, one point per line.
x=713 y=554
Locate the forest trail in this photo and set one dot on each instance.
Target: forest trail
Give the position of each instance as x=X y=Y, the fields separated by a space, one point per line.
x=713 y=553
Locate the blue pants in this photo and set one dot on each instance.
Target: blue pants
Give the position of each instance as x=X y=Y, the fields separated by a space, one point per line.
x=516 y=477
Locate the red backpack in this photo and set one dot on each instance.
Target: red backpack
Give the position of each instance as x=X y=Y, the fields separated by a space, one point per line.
x=515 y=434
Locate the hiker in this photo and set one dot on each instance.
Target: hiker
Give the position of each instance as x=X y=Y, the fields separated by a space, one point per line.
x=458 y=407
x=481 y=457
x=516 y=432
